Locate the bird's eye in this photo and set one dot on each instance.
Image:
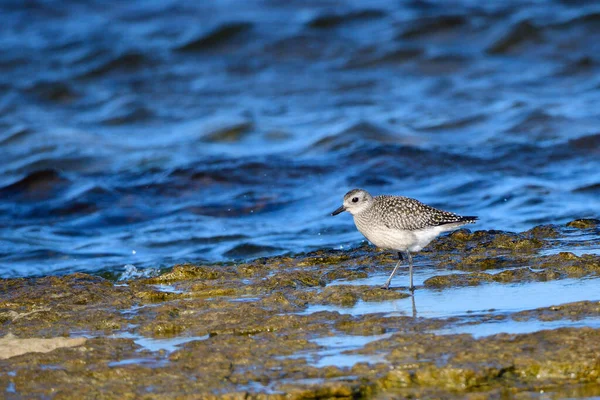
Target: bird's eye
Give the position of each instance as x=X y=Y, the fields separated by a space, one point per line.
x=355 y=200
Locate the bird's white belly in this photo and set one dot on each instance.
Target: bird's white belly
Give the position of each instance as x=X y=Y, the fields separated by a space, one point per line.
x=396 y=239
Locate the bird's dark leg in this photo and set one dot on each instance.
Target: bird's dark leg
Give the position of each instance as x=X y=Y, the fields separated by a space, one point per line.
x=387 y=283
x=410 y=272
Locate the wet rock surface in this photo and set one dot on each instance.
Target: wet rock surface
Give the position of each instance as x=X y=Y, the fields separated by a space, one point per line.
x=317 y=325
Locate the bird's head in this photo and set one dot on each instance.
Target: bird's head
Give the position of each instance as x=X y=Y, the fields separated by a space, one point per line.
x=355 y=202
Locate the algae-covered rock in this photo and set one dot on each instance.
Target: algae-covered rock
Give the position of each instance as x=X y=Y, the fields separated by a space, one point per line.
x=571 y=265
x=584 y=223
x=348 y=295
x=456 y=378
x=254 y=329
x=515 y=243
x=56 y=306
x=156 y=295
x=187 y=272
x=346 y=273
x=324 y=257
x=294 y=279
x=543 y=232
x=337 y=295
x=478 y=262
x=450 y=280
x=571 y=311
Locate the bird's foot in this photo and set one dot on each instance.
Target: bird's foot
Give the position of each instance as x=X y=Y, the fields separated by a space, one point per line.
x=385 y=287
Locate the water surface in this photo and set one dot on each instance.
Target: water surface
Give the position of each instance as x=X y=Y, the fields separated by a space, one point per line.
x=150 y=133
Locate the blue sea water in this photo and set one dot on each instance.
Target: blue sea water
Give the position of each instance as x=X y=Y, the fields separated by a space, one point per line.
x=150 y=133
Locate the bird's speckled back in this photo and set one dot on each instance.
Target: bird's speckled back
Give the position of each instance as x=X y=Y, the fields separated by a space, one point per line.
x=404 y=213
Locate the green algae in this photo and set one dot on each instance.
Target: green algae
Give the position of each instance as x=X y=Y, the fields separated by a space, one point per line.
x=294 y=280
x=349 y=295
x=543 y=232
x=584 y=223
x=252 y=338
x=346 y=273
x=544 y=268
x=572 y=311
x=186 y=272
x=324 y=257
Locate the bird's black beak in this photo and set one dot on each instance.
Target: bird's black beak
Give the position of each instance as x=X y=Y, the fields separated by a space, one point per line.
x=339 y=210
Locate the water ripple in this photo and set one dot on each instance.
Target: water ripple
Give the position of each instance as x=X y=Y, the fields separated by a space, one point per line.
x=148 y=133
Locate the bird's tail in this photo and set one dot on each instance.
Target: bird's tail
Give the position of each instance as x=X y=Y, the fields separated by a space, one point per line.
x=469 y=219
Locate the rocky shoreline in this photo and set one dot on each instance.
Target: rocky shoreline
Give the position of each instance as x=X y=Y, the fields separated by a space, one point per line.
x=317 y=325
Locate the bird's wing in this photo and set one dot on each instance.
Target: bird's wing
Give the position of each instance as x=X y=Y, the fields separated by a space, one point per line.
x=404 y=213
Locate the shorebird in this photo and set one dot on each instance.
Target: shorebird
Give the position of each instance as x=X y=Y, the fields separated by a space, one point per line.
x=398 y=223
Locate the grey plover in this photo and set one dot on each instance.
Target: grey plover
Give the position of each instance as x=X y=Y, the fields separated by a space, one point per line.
x=398 y=223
